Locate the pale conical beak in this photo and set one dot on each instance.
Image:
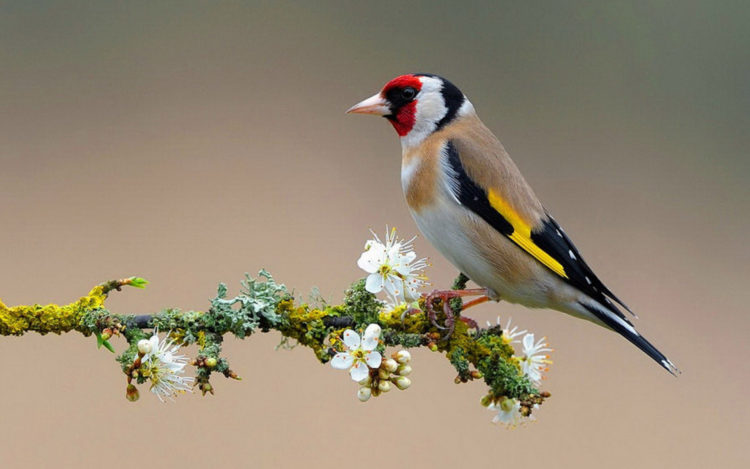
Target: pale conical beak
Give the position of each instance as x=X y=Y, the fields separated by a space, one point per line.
x=373 y=105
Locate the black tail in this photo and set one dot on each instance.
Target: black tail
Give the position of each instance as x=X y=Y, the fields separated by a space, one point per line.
x=625 y=329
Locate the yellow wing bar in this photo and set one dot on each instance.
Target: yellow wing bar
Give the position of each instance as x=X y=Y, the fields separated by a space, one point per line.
x=522 y=233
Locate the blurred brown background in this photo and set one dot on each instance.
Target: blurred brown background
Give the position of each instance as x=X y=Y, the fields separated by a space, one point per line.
x=190 y=142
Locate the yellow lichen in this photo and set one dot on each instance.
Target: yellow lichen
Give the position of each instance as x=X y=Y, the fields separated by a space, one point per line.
x=460 y=339
x=44 y=319
x=411 y=323
x=201 y=340
x=304 y=315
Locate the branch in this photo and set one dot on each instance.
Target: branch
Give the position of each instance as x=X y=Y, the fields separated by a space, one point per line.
x=264 y=305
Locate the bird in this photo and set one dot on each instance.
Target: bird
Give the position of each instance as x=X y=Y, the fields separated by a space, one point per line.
x=470 y=200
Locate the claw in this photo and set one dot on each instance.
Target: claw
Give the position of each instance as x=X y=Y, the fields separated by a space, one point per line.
x=409 y=312
x=469 y=322
x=450 y=315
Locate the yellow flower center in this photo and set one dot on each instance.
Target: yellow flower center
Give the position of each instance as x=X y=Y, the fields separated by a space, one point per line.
x=384 y=270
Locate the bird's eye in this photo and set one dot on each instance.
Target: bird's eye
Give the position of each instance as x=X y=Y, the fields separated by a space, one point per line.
x=408 y=93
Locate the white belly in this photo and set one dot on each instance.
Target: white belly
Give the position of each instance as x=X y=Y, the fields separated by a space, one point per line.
x=452 y=229
x=442 y=226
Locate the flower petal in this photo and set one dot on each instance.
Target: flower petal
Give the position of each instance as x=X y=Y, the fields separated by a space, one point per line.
x=373 y=257
x=154 y=340
x=401 y=263
x=351 y=339
x=342 y=361
x=373 y=331
x=412 y=292
x=369 y=343
x=393 y=286
x=374 y=283
x=528 y=342
x=359 y=371
x=373 y=359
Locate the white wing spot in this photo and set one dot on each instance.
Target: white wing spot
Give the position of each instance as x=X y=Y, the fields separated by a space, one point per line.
x=588 y=280
x=572 y=256
x=558 y=233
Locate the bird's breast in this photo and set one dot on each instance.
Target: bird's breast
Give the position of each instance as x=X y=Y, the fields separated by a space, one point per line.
x=423 y=174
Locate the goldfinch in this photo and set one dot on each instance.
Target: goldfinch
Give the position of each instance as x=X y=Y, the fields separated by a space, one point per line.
x=472 y=203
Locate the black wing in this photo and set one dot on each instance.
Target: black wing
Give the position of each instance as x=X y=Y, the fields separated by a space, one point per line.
x=553 y=240
x=547 y=243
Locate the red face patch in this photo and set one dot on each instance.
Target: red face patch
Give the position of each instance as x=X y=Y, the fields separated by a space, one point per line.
x=403 y=81
x=404 y=109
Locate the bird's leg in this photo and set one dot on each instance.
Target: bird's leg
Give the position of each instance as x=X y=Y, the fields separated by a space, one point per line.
x=475 y=301
x=450 y=317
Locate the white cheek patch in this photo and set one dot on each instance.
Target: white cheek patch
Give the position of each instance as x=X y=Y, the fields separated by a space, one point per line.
x=430 y=109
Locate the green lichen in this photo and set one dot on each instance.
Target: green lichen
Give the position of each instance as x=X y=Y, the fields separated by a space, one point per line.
x=264 y=305
x=500 y=370
x=361 y=305
x=254 y=307
x=306 y=326
x=404 y=339
x=401 y=319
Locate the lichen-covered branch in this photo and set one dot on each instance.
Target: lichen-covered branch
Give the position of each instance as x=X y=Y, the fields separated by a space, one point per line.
x=264 y=305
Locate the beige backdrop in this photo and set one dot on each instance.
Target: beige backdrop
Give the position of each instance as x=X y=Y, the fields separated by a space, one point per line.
x=189 y=143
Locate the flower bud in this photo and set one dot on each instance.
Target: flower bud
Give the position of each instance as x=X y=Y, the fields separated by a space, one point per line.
x=486 y=400
x=390 y=364
x=144 y=346
x=366 y=381
x=402 y=382
x=106 y=334
x=432 y=346
x=210 y=362
x=373 y=331
x=364 y=393
x=384 y=386
x=403 y=356
x=404 y=370
x=383 y=374
x=507 y=405
x=131 y=393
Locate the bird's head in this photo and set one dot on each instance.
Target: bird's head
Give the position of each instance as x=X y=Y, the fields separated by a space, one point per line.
x=416 y=105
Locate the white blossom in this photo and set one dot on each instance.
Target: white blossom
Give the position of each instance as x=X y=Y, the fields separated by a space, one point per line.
x=361 y=354
x=164 y=367
x=535 y=359
x=392 y=266
x=508 y=412
x=511 y=333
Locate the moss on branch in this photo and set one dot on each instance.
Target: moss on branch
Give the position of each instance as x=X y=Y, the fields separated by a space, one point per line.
x=264 y=305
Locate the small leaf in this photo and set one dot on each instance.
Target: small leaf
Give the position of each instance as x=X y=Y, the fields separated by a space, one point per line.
x=108 y=346
x=138 y=282
x=99 y=340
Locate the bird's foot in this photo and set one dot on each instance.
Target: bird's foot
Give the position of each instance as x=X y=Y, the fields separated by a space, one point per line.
x=469 y=322
x=409 y=312
x=450 y=315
